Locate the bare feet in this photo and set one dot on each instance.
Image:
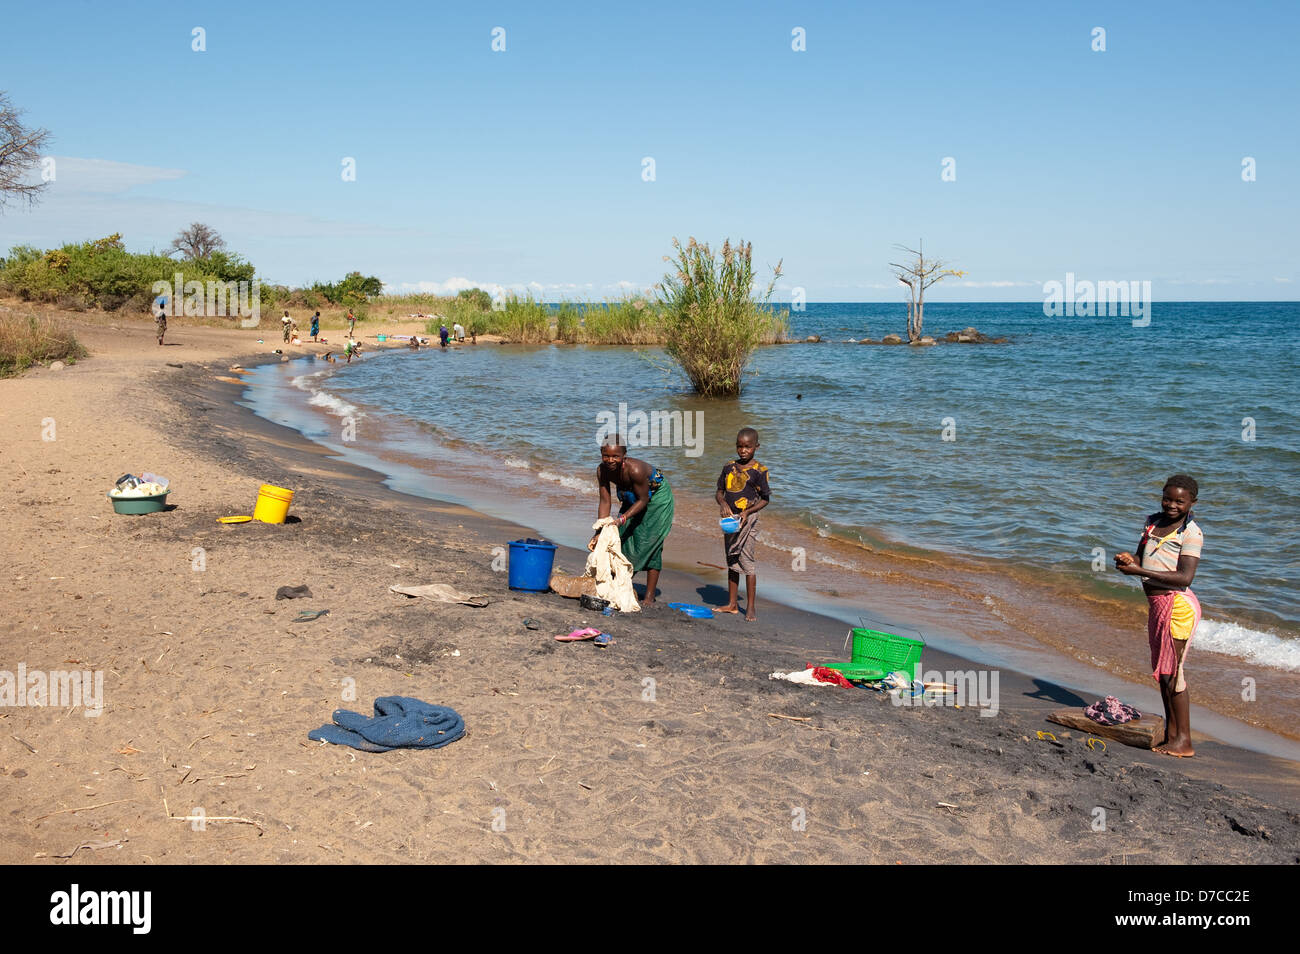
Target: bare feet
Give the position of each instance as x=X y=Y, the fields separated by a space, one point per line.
x=1181 y=751
x=729 y=608
x=751 y=617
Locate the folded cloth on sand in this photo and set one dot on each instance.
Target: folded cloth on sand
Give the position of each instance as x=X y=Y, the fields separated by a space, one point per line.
x=611 y=570
x=813 y=676
x=442 y=593
x=1110 y=711
x=399 y=722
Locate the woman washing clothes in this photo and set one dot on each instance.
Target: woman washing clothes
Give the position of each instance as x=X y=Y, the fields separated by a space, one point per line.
x=645 y=510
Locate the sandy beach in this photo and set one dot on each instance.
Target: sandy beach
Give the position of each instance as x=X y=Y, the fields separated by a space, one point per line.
x=671 y=745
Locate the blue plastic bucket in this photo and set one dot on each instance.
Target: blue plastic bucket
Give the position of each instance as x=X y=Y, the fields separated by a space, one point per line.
x=531 y=562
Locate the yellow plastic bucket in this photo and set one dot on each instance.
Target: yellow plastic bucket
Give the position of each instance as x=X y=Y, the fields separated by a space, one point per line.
x=272 y=504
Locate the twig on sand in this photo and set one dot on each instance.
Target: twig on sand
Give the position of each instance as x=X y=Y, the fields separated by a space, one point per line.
x=26 y=745
x=777 y=715
x=92 y=846
x=210 y=818
x=197 y=741
x=86 y=808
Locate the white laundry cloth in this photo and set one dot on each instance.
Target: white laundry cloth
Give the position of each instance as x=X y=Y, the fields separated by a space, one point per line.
x=611 y=570
x=803 y=677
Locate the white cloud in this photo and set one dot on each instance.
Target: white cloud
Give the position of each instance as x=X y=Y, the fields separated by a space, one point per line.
x=451 y=286
x=105 y=176
x=1284 y=280
x=998 y=284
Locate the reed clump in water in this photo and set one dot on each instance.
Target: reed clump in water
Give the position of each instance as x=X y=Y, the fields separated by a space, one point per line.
x=712 y=320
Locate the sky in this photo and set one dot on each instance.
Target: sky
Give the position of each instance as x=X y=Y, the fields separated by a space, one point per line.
x=565 y=160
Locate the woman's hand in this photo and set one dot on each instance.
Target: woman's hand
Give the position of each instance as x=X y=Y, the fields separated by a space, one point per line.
x=592 y=545
x=1124 y=559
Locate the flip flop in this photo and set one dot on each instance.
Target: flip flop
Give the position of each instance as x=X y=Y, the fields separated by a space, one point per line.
x=307 y=616
x=577 y=635
x=603 y=640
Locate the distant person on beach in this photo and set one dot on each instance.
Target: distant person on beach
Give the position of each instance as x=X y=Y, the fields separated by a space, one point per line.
x=1167 y=557
x=459 y=331
x=286 y=323
x=442 y=335
x=742 y=492
x=351 y=347
x=315 y=326
x=160 y=324
x=414 y=343
x=645 y=510
x=352 y=324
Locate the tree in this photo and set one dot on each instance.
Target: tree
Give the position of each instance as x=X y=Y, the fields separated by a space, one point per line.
x=20 y=151
x=919 y=276
x=197 y=241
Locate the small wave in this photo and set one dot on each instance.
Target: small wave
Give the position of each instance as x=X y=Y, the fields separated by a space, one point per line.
x=1264 y=649
x=517 y=463
x=333 y=405
x=573 y=483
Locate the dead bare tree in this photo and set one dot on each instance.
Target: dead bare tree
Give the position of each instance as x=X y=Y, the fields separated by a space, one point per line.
x=20 y=151
x=197 y=241
x=918 y=276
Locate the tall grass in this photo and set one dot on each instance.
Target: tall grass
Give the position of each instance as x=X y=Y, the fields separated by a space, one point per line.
x=27 y=340
x=711 y=318
x=628 y=321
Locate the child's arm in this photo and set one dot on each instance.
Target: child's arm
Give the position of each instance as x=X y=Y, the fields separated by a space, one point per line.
x=721 y=495
x=1179 y=578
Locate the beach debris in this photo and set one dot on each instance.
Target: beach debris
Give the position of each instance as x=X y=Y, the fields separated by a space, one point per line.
x=307 y=616
x=530 y=623
x=292 y=592
x=26 y=745
x=442 y=593
x=777 y=715
x=84 y=808
x=603 y=640
x=92 y=846
x=577 y=635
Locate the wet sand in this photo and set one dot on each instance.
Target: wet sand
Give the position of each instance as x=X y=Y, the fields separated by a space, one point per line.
x=210 y=687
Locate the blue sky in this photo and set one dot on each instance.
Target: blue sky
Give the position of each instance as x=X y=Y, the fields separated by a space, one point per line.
x=525 y=167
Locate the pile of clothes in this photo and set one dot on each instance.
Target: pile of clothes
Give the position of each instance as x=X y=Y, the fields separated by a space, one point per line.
x=143 y=485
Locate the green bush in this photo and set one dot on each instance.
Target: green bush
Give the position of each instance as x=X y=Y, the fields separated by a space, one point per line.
x=103 y=273
x=711 y=318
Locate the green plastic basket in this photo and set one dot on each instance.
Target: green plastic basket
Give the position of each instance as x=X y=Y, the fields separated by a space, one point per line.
x=886 y=651
x=138 y=505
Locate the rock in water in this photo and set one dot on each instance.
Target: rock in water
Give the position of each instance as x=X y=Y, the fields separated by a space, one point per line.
x=891 y=339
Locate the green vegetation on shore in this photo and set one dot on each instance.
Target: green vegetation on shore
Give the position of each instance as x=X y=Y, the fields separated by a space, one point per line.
x=103 y=274
x=29 y=339
x=709 y=326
